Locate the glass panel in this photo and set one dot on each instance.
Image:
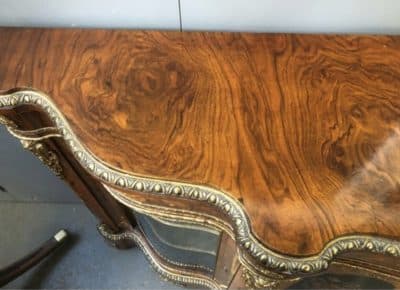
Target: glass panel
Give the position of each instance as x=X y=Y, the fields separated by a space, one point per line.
x=335 y=281
x=190 y=245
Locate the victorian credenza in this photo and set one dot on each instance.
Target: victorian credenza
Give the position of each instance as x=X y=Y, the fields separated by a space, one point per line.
x=233 y=160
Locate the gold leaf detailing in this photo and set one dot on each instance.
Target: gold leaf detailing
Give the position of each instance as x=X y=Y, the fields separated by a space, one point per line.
x=249 y=245
x=45 y=155
x=254 y=281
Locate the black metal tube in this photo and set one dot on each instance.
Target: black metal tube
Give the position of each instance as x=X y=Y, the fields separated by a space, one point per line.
x=14 y=270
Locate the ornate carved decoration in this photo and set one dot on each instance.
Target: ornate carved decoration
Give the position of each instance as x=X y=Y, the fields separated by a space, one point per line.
x=254 y=281
x=174 y=274
x=263 y=256
x=45 y=155
x=30 y=141
x=6 y=122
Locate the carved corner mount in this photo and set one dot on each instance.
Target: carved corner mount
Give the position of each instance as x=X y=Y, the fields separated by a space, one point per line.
x=272 y=281
x=48 y=157
x=6 y=122
x=255 y=281
x=33 y=144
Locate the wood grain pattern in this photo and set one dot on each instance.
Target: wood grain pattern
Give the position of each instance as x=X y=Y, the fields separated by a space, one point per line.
x=303 y=129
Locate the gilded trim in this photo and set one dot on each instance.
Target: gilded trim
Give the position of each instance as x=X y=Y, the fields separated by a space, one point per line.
x=179 y=276
x=180 y=216
x=254 y=281
x=221 y=200
x=176 y=216
x=192 y=224
x=45 y=155
x=34 y=135
x=6 y=122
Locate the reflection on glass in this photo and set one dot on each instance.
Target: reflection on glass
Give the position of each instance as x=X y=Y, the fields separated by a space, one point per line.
x=334 y=281
x=181 y=244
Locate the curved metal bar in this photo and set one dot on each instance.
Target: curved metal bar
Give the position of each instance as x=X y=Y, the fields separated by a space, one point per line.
x=16 y=269
x=34 y=135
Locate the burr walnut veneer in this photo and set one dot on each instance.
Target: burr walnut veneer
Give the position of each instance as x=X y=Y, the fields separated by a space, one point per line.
x=284 y=146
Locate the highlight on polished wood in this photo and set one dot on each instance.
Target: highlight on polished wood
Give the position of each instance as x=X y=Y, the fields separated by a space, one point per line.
x=288 y=143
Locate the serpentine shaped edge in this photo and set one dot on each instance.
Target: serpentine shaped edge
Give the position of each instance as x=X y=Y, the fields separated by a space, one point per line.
x=269 y=259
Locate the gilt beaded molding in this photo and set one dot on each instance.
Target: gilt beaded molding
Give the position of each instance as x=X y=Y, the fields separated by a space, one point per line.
x=249 y=245
x=176 y=216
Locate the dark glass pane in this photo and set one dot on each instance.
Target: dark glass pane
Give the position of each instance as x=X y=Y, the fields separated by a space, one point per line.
x=333 y=281
x=181 y=244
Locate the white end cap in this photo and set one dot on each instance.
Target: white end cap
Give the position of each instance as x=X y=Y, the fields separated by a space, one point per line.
x=61 y=235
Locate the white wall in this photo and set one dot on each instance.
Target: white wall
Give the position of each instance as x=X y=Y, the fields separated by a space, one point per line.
x=374 y=16
x=157 y=14
x=365 y=16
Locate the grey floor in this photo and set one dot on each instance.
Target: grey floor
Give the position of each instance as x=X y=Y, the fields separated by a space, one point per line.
x=33 y=206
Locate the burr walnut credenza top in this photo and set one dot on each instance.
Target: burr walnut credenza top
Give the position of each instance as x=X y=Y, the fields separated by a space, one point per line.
x=303 y=131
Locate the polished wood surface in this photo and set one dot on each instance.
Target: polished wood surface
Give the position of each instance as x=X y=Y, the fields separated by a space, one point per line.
x=302 y=129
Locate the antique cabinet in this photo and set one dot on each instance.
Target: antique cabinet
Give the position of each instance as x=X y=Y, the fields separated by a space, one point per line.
x=232 y=160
